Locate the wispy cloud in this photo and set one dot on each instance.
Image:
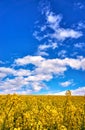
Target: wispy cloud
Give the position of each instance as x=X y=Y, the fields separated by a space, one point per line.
x=66 y=83
x=78 y=91
x=53 y=20
x=46 y=46
x=1 y=62
x=53 y=33
x=42 y=53
x=62 y=53
x=79 y=5
x=81 y=25
x=63 y=34
x=59 y=33
x=79 y=45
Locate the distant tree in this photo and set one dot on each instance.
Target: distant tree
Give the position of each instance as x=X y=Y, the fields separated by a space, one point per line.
x=68 y=93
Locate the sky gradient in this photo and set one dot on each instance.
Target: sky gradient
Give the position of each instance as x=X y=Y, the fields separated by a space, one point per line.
x=42 y=46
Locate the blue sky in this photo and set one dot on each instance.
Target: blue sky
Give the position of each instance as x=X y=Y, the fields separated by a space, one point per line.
x=42 y=46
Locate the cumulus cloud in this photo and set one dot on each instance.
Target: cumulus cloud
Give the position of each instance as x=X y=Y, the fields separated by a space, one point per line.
x=6 y=71
x=41 y=62
x=36 y=60
x=34 y=80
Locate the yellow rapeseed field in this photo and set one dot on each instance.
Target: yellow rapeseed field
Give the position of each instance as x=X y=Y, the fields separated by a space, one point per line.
x=29 y=112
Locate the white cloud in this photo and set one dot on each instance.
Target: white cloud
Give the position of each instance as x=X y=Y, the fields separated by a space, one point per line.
x=43 y=28
x=36 y=35
x=37 y=86
x=46 y=46
x=79 y=5
x=53 y=19
x=43 y=63
x=38 y=77
x=36 y=60
x=73 y=54
x=2 y=75
x=22 y=72
x=54 y=45
x=62 y=34
x=42 y=53
x=12 y=84
x=43 y=72
x=31 y=83
x=6 y=71
x=57 y=93
x=50 y=66
x=79 y=45
x=77 y=64
x=66 y=83
x=62 y=53
x=47 y=68
x=78 y=91
x=81 y=25
x=58 y=33
x=83 y=64
x=1 y=62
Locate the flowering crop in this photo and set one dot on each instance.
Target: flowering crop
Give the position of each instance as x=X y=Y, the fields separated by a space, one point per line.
x=23 y=112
